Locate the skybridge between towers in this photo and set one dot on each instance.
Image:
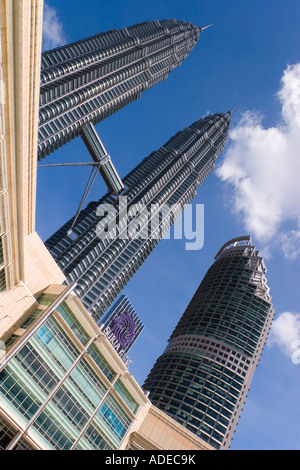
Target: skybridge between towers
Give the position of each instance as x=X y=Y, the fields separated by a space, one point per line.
x=101 y=164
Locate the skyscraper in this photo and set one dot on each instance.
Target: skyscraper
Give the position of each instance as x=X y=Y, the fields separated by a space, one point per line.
x=86 y=81
x=203 y=376
x=112 y=237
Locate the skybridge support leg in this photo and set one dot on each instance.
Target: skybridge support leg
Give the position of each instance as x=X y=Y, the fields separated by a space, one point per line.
x=99 y=155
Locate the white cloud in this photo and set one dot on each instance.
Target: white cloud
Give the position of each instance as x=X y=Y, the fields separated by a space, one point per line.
x=262 y=165
x=290 y=243
x=285 y=332
x=53 y=35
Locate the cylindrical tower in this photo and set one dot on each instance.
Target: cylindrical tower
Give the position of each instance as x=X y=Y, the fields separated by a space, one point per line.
x=204 y=374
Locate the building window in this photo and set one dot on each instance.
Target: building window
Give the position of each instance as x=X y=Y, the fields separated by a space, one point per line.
x=126 y=396
x=114 y=419
x=2 y=280
x=101 y=362
x=73 y=323
x=18 y=393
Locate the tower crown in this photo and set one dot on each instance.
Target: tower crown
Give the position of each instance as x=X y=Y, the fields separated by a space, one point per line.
x=88 y=80
x=243 y=241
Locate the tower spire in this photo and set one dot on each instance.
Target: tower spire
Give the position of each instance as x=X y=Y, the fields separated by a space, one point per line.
x=86 y=87
x=202 y=28
x=233 y=109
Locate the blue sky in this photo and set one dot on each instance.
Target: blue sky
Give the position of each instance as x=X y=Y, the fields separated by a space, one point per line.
x=250 y=56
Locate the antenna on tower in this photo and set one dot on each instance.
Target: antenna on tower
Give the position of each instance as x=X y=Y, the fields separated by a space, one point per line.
x=205 y=27
x=233 y=109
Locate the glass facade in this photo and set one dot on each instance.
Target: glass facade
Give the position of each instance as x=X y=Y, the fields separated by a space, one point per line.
x=63 y=390
x=203 y=376
x=123 y=392
x=200 y=394
x=87 y=81
x=7 y=432
x=166 y=180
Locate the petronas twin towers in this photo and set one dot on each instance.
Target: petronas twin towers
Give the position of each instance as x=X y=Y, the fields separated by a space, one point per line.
x=81 y=84
x=103 y=245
